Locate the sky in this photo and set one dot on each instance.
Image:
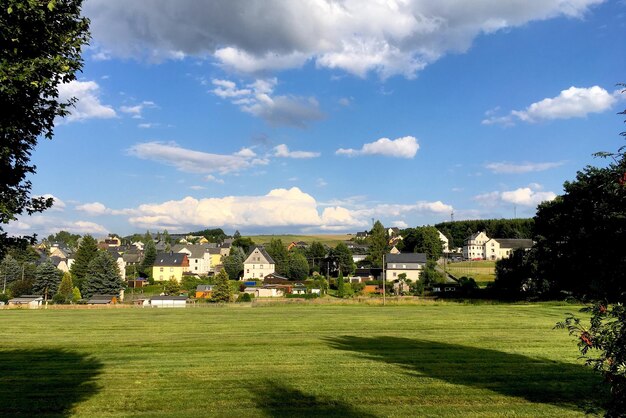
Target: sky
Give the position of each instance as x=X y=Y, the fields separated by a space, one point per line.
x=320 y=116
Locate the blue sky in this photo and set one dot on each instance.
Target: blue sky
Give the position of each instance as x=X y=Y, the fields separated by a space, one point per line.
x=318 y=116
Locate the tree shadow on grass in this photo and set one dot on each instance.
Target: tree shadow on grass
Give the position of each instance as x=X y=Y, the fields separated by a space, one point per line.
x=278 y=400
x=45 y=382
x=536 y=380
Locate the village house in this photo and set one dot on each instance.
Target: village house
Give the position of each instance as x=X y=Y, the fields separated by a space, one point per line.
x=480 y=247
x=204 y=291
x=410 y=264
x=258 y=264
x=169 y=266
x=445 y=243
x=474 y=248
x=27 y=301
x=198 y=255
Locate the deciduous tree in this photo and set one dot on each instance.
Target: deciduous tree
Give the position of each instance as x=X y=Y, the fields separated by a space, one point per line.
x=40 y=47
x=278 y=251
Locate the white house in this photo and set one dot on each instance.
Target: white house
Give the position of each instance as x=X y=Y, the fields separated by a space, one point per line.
x=445 y=244
x=474 y=247
x=199 y=257
x=411 y=264
x=264 y=292
x=258 y=264
x=27 y=301
x=499 y=248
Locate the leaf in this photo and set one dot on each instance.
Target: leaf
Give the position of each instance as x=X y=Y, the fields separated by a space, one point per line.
x=51 y=5
x=10 y=10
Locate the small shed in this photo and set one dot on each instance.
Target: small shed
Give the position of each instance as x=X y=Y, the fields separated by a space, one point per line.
x=168 y=301
x=264 y=292
x=103 y=300
x=204 y=291
x=27 y=301
x=299 y=289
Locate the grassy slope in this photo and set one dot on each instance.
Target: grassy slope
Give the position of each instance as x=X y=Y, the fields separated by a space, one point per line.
x=328 y=239
x=425 y=360
x=481 y=271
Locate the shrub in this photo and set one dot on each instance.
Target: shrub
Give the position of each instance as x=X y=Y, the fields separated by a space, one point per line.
x=244 y=297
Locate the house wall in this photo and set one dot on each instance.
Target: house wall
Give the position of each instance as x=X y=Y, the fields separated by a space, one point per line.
x=392 y=274
x=168 y=303
x=165 y=273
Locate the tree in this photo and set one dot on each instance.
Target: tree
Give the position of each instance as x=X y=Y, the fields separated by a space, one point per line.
x=69 y=239
x=430 y=275
x=237 y=235
x=172 y=287
x=298 y=266
x=149 y=257
x=10 y=271
x=246 y=244
x=378 y=244
x=76 y=296
x=340 y=285
x=278 y=251
x=47 y=280
x=66 y=288
x=316 y=253
x=40 y=46
x=222 y=291
x=423 y=239
x=103 y=276
x=233 y=263
x=86 y=252
x=342 y=257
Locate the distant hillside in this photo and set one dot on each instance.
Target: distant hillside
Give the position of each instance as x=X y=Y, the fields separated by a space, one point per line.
x=330 y=239
x=458 y=231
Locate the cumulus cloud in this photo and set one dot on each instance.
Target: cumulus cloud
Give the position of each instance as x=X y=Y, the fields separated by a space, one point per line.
x=279 y=207
x=520 y=168
x=98 y=209
x=283 y=151
x=420 y=207
x=192 y=161
x=88 y=105
x=57 y=205
x=531 y=195
x=575 y=102
x=258 y=100
x=405 y=147
x=43 y=224
x=357 y=36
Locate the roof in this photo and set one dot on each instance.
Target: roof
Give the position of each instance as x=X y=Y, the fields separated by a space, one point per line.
x=204 y=288
x=169 y=259
x=514 y=243
x=197 y=251
x=26 y=299
x=165 y=297
x=406 y=258
x=264 y=253
x=214 y=251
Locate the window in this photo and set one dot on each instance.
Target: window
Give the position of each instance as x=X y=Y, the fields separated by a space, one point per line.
x=161 y=269
x=404 y=266
x=395 y=274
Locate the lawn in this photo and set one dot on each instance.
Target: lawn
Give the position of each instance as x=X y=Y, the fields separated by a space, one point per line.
x=295 y=360
x=482 y=271
x=329 y=239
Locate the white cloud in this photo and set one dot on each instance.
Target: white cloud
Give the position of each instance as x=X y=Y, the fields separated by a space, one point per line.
x=520 y=168
x=43 y=224
x=258 y=100
x=95 y=208
x=279 y=207
x=191 y=161
x=345 y=101
x=574 y=102
x=400 y=224
x=531 y=195
x=421 y=207
x=356 y=36
x=88 y=105
x=214 y=179
x=405 y=147
x=57 y=205
x=136 y=110
x=283 y=151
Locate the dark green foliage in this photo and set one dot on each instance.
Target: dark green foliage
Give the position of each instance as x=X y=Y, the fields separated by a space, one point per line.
x=40 y=46
x=149 y=256
x=458 y=231
x=244 y=297
x=213 y=235
x=341 y=257
x=423 y=239
x=66 y=290
x=298 y=266
x=430 y=275
x=603 y=345
x=67 y=238
x=47 y=280
x=22 y=287
x=233 y=263
x=103 y=276
x=10 y=271
x=278 y=251
x=24 y=254
x=378 y=244
x=315 y=253
x=341 y=291
x=190 y=283
x=222 y=291
x=517 y=276
x=246 y=244
x=86 y=252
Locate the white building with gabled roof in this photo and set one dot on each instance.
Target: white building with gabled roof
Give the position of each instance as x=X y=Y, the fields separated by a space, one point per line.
x=258 y=264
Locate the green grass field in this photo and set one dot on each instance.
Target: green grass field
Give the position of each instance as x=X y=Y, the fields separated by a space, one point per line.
x=482 y=271
x=433 y=359
x=328 y=239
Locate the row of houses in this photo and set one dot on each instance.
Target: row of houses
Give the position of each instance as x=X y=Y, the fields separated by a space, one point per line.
x=479 y=246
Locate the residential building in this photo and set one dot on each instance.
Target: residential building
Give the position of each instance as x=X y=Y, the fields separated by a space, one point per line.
x=474 y=248
x=198 y=255
x=445 y=243
x=258 y=264
x=169 y=266
x=411 y=264
x=499 y=248
x=204 y=291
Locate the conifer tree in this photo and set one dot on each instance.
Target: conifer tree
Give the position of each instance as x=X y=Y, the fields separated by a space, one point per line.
x=66 y=288
x=149 y=256
x=87 y=250
x=221 y=290
x=103 y=276
x=340 y=285
x=47 y=279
